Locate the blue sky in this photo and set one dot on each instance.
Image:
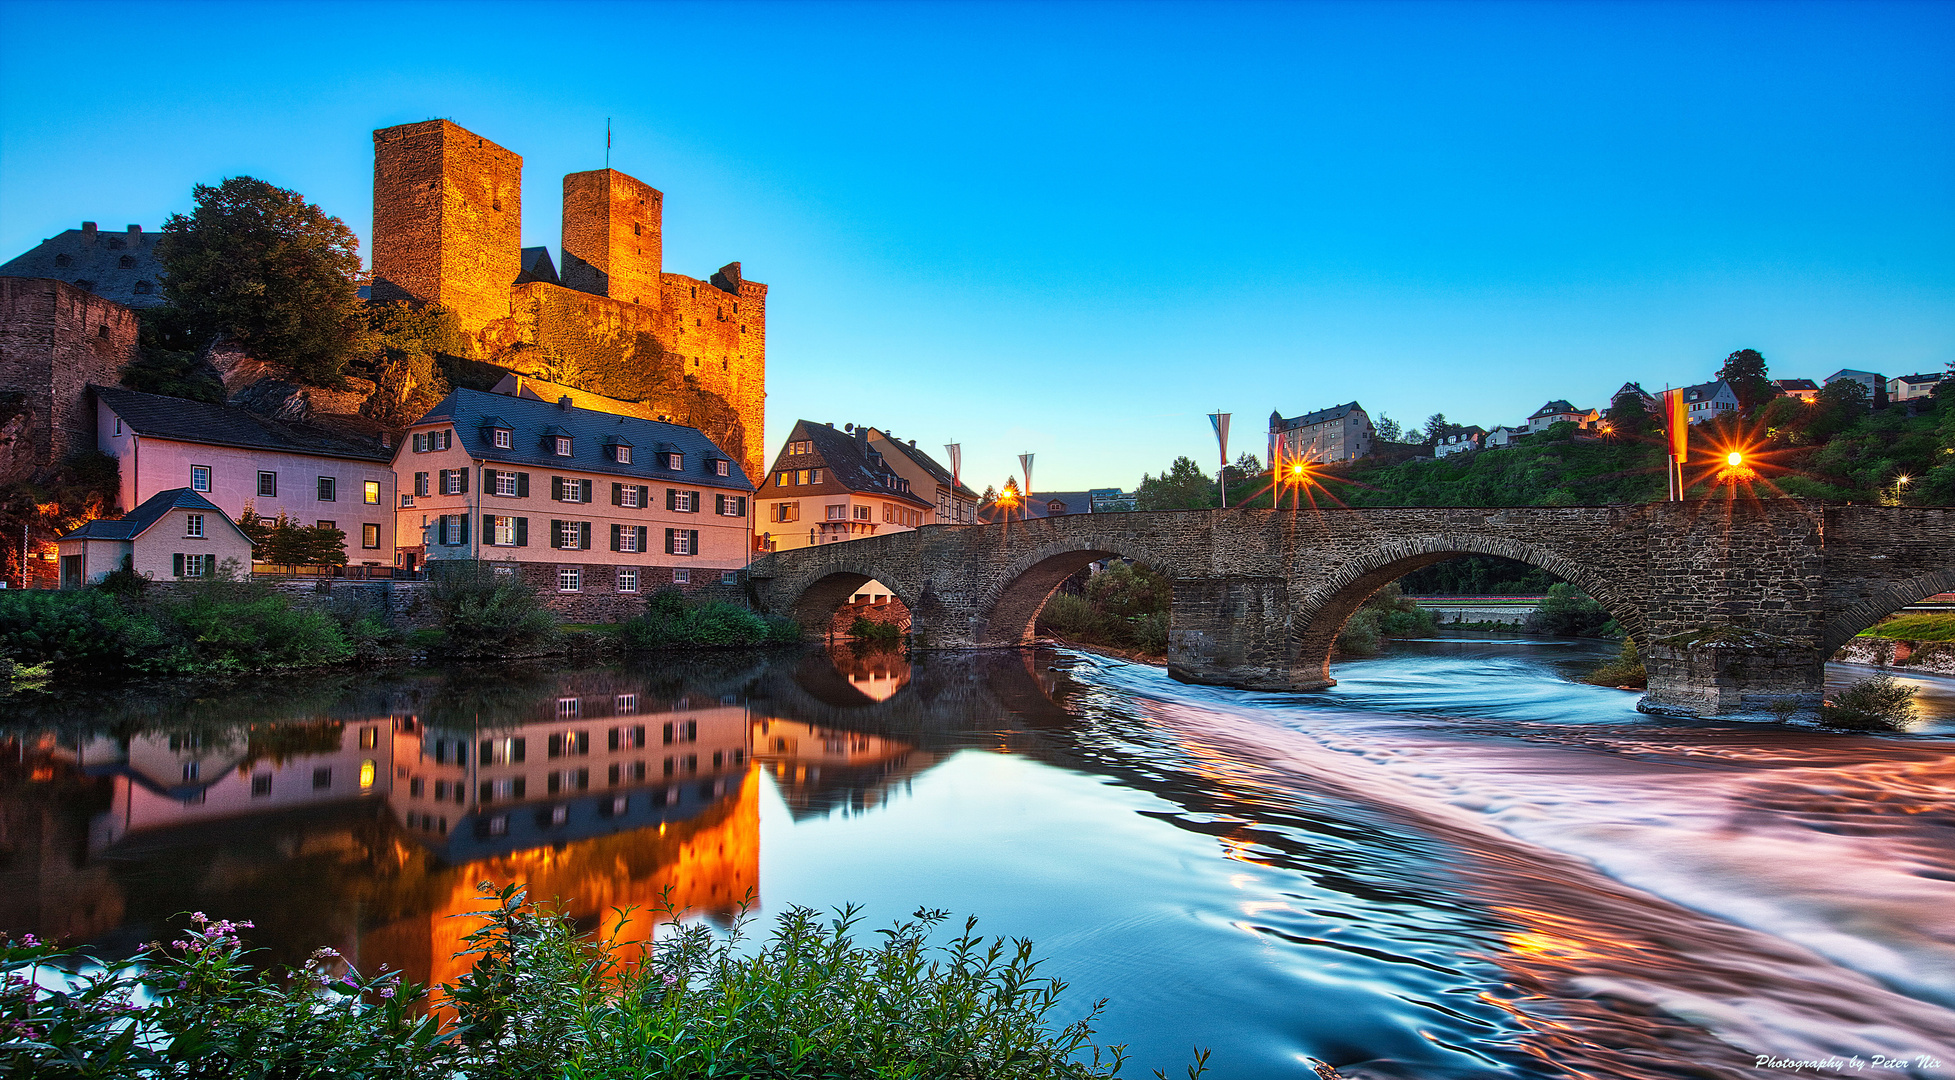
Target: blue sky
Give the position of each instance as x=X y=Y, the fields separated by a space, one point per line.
x=1075 y=229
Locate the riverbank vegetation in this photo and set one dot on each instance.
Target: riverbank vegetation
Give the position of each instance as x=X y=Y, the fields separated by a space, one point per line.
x=1388 y=613
x=1124 y=607
x=1878 y=703
x=672 y=621
x=543 y=999
x=1915 y=626
x=1624 y=672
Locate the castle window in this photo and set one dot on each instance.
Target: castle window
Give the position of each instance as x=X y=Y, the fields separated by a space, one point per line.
x=563 y=446
x=635 y=229
x=695 y=292
x=102 y=330
x=115 y=245
x=127 y=262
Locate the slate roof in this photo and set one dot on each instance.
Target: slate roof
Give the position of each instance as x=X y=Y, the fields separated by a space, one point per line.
x=1451 y=430
x=846 y=457
x=1335 y=412
x=1553 y=408
x=590 y=432
x=1703 y=391
x=927 y=463
x=1800 y=385
x=1925 y=378
x=182 y=420
x=537 y=266
x=139 y=521
x=94 y=262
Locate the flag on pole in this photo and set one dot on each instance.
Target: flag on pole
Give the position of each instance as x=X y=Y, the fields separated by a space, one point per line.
x=1676 y=421
x=1221 y=422
x=956 y=453
x=1025 y=462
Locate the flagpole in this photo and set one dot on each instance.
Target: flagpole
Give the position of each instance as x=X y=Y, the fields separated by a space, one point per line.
x=607 y=142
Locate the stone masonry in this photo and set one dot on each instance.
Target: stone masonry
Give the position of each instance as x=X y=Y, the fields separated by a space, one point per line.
x=447 y=230
x=55 y=339
x=1735 y=605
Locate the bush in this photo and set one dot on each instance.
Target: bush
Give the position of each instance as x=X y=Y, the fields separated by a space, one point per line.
x=1568 y=612
x=1386 y=614
x=867 y=629
x=1625 y=670
x=1124 y=606
x=230 y=625
x=484 y=613
x=1874 y=704
x=542 y=1000
x=671 y=621
x=83 y=631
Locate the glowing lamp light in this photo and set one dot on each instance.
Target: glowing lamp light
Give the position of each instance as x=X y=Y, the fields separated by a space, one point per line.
x=1734 y=459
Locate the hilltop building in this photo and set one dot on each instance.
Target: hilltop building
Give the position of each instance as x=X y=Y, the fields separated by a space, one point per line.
x=1558 y=412
x=447 y=230
x=1909 y=387
x=1874 y=381
x=1458 y=439
x=827 y=486
x=120 y=267
x=1707 y=401
x=1340 y=433
x=55 y=339
x=1804 y=389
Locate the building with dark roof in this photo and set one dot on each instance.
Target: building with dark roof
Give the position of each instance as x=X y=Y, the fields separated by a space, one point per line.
x=1340 y=433
x=1804 y=389
x=1458 y=439
x=1908 y=387
x=956 y=502
x=174 y=535
x=593 y=509
x=1559 y=412
x=240 y=460
x=827 y=486
x=1045 y=504
x=1708 y=401
x=118 y=266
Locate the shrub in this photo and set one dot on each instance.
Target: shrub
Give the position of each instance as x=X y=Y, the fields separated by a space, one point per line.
x=1568 y=612
x=1878 y=703
x=671 y=621
x=83 y=631
x=542 y=1000
x=1124 y=606
x=232 y=625
x=1386 y=614
x=1625 y=670
x=484 y=613
x=867 y=629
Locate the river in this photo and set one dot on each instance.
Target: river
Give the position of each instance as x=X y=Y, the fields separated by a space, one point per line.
x=1457 y=863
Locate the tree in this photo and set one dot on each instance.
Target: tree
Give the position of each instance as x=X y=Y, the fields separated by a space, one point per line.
x=1246 y=466
x=259 y=265
x=1744 y=371
x=168 y=362
x=1841 y=403
x=1628 y=416
x=1184 y=486
x=1388 y=429
x=1435 y=424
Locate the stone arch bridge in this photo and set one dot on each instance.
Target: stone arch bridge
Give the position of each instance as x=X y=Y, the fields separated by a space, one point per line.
x=1735 y=605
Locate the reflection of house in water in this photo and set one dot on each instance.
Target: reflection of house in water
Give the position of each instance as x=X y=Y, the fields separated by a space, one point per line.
x=876 y=674
x=820 y=769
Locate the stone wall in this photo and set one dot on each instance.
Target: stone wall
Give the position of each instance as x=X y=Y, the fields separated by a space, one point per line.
x=1734 y=604
x=55 y=339
x=447 y=220
x=612 y=243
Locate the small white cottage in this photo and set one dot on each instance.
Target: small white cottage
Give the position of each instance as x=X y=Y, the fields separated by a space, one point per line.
x=175 y=535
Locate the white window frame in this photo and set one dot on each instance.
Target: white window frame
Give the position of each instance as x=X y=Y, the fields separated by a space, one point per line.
x=563 y=446
x=193 y=526
x=837 y=512
x=675 y=461
x=570 y=579
x=681 y=543
x=729 y=577
x=506 y=484
x=627 y=579
x=573 y=490
x=500 y=437
x=200 y=478
x=682 y=502
x=682 y=575
x=628 y=498
x=451 y=481
x=505 y=535
x=196 y=566
x=720 y=468
x=628 y=539
x=570 y=536
x=623 y=455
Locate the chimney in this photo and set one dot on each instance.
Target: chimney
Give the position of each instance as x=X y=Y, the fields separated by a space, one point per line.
x=135 y=232
x=564 y=402
x=88 y=230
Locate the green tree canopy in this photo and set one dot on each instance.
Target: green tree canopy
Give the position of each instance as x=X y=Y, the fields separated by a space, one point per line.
x=1628 y=416
x=1388 y=429
x=1435 y=424
x=1745 y=372
x=259 y=265
x=1184 y=486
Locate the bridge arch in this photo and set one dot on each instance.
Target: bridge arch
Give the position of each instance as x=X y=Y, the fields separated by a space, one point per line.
x=815 y=600
x=1319 y=615
x=1009 y=610
x=1847 y=623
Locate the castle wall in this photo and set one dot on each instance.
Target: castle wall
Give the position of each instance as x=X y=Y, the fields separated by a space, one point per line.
x=55 y=339
x=447 y=219
x=612 y=236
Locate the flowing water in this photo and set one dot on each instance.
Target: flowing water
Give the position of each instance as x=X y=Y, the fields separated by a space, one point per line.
x=1457 y=863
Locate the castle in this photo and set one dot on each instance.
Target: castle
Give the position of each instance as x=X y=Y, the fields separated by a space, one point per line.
x=447 y=230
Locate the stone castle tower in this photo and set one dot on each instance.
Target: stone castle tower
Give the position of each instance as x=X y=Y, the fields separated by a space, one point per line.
x=447 y=230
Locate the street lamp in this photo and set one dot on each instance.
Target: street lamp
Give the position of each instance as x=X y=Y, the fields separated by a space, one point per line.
x=1735 y=459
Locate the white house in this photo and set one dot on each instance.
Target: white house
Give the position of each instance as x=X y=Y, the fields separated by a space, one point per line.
x=175 y=535
x=1909 y=387
x=1875 y=382
x=1707 y=401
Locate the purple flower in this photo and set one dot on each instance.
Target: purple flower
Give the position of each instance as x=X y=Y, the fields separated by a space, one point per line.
x=29 y=940
x=386 y=991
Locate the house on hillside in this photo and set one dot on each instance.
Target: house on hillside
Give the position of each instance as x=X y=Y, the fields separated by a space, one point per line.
x=1558 y=411
x=956 y=502
x=588 y=507
x=1708 y=401
x=827 y=486
x=1875 y=382
x=1456 y=439
x=238 y=459
x=175 y=535
x=1501 y=435
x=1635 y=391
x=1909 y=387
x=1803 y=389
x=1340 y=433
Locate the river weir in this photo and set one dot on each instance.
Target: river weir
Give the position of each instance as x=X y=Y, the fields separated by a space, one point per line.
x=1458 y=863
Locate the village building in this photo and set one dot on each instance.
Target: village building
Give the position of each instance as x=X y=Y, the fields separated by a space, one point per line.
x=1340 y=433
x=827 y=486
x=1634 y=391
x=1874 y=381
x=1910 y=387
x=1708 y=401
x=1561 y=412
x=240 y=460
x=1803 y=389
x=175 y=535
x=1045 y=504
x=1457 y=439
x=116 y=266
x=1502 y=435
x=592 y=509
x=956 y=503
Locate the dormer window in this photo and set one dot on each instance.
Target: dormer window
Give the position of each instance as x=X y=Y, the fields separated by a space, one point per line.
x=621 y=454
x=675 y=461
x=720 y=468
x=501 y=438
x=562 y=445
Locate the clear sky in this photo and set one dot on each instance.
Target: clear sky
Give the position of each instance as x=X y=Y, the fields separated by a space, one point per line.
x=1074 y=230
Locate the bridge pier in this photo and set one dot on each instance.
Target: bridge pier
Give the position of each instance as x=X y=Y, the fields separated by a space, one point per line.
x=1233 y=631
x=1733 y=673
